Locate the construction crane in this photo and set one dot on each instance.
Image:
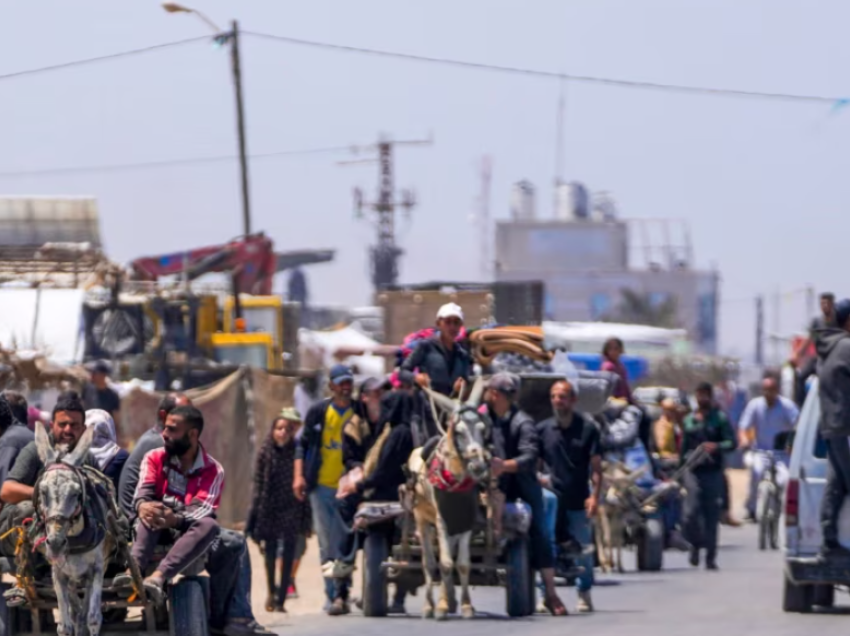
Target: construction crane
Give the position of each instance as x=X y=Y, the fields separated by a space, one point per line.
x=386 y=252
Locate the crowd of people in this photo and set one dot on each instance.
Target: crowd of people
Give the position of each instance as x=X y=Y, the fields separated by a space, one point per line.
x=320 y=461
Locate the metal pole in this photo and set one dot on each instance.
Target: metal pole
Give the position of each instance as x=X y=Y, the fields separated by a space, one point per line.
x=240 y=125
x=759 y=330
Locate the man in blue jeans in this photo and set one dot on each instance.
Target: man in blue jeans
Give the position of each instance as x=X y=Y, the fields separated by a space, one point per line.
x=569 y=445
x=318 y=469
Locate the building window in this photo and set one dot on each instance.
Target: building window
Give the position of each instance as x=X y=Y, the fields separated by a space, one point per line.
x=600 y=306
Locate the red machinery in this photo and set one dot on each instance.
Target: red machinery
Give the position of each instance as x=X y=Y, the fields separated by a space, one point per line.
x=251 y=260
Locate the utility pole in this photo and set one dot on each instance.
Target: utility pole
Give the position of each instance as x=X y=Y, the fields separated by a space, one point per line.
x=386 y=252
x=559 y=147
x=240 y=126
x=221 y=38
x=759 y=330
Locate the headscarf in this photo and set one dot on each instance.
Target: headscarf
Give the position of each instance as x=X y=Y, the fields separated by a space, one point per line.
x=105 y=441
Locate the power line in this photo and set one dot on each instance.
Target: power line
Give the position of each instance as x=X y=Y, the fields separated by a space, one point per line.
x=167 y=163
x=551 y=74
x=102 y=58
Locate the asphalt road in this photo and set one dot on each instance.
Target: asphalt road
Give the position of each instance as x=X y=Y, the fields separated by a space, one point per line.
x=744 y=597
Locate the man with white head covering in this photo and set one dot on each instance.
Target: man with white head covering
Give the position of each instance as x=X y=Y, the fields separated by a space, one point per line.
x=109 y=455
x=440 y=362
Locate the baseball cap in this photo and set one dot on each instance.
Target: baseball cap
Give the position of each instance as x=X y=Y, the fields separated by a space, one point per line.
x=450 y=310
x=341 y=373
x=291 y=414
x=507 y=383
x=373 y=384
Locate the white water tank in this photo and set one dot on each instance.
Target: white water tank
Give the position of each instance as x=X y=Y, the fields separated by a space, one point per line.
x=604 y=207
x=573 y=202
x=522 y=201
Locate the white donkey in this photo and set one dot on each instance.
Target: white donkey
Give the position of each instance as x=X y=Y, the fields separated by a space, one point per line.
x=73 y=515
x=448 y=474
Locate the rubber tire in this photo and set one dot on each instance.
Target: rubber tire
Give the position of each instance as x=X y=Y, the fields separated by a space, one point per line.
x=518 y=562
x=187 y=615
x=375 y=552
x=797 y=599
x=765 y=521
x=823 y=595
x=650 y=546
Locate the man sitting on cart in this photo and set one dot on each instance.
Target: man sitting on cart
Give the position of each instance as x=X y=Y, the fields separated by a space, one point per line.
x=515 y=457
x=67 y=427
x=177 y=497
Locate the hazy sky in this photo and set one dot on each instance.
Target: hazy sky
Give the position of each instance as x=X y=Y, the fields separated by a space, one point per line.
x=763 y=184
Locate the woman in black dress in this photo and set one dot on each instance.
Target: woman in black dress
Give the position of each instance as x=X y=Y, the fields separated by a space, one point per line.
x=277 y=517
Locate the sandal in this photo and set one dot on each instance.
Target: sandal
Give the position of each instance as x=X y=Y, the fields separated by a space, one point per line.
x=15 y=597
x=555 y=606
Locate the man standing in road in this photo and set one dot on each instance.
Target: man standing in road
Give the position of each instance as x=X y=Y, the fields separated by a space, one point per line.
x=764 y=418
x=99 y=395
x=569 y=443
x=319 y=467
x=833 y=347
x=707 y=429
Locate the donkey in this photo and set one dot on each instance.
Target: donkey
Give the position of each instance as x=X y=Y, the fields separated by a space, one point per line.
x=447 y=476
x=72 y=514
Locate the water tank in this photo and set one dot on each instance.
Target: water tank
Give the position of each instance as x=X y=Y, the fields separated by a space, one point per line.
x=522 y=201
x=573 y=202
x=604 y=207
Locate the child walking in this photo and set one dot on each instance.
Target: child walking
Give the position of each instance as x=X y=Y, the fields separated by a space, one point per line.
x=278 y=520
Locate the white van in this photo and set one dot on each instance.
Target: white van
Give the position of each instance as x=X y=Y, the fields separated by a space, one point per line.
x=808 y=580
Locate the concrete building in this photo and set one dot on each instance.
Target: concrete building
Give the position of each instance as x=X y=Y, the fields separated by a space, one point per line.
x=593 y=264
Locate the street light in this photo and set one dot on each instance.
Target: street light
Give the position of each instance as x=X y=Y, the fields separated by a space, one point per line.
x=232 y=37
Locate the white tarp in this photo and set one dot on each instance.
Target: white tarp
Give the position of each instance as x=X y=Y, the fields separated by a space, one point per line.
x=46 y=321
x=319 y=348
x=640 y=340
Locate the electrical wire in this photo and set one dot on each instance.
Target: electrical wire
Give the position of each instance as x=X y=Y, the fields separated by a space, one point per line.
x=102 y=58
x=550 y=74
x=167 y=163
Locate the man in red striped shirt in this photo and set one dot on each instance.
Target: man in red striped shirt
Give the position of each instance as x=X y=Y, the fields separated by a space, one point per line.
x=179 y=492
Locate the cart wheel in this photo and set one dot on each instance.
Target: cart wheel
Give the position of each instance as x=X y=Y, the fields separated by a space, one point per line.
x=518 y=579
x=650 y=546
x=188 y=609
x=375 y=552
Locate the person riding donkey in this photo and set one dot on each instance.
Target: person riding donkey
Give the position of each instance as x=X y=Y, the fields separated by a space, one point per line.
x=66 y=429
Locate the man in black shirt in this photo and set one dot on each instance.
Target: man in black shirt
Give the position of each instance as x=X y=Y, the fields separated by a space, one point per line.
x=98 y=394
x=569 y=443
x=515 y=455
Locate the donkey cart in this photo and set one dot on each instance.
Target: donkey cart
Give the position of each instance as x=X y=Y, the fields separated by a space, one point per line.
x=504 y=562
x=183 y=614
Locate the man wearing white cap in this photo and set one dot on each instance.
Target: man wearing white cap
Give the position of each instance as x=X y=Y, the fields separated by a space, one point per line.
x=440 y=362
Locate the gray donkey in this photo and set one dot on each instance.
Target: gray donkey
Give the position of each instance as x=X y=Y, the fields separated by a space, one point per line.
x=72 y=514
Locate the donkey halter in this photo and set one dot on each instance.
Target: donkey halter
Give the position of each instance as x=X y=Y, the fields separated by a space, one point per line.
x=59 y=465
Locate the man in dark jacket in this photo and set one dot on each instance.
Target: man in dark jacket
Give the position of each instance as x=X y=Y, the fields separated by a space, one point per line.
x=707 y=429
x=440 y=362
x=515 y=454
x=14 y=435
x=833 y=347
x=318 y=469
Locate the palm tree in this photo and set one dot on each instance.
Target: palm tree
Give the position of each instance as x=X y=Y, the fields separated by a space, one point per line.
x=641 y=309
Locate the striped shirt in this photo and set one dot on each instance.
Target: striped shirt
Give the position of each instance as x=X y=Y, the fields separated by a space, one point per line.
x=192 y=495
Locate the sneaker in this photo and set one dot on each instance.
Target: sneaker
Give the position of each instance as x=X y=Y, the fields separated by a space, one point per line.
x=711 y=566
x=339 y=608
x=585 y=603
x=154 y=589
x=247 y=628
x=397 y=607
x=694 y=558
x=292 y=592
